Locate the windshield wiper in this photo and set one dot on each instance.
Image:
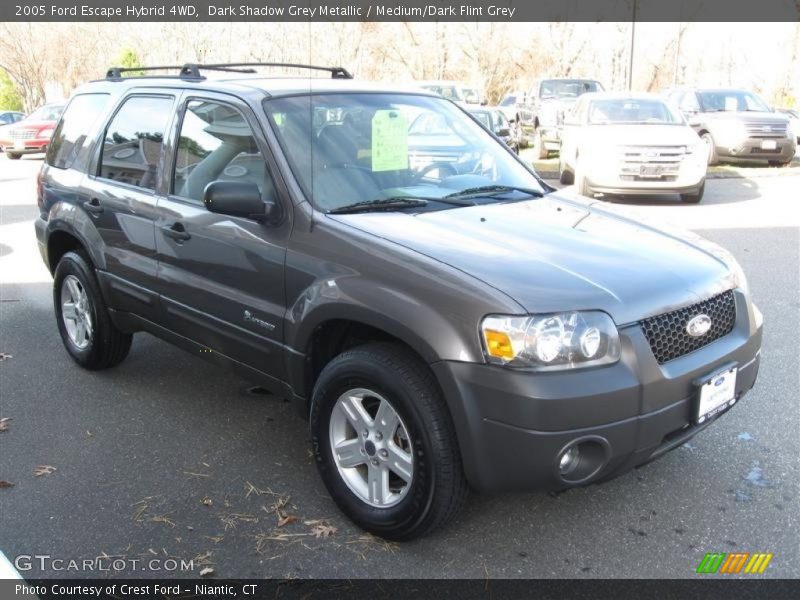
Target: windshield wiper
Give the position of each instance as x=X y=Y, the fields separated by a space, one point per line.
x=393 y=203
x=493 y=190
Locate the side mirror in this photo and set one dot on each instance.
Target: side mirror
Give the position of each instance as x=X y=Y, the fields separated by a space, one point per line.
x=239 y=199
x=504 y=132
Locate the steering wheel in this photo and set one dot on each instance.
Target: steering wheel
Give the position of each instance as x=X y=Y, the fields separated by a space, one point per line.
x=419 y=174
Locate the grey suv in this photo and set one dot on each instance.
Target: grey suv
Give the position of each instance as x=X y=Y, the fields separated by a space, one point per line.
x=444 y=319
x=736 y=124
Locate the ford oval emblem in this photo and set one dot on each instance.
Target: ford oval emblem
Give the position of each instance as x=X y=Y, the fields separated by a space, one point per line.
x=698 y=326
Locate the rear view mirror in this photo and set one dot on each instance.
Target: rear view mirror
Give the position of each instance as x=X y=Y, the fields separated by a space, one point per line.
x=239 y=199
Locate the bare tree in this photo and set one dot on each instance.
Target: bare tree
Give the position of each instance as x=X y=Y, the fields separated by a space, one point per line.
x=21 y=54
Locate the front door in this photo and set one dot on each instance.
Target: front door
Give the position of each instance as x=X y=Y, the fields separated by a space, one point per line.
x=221 y=277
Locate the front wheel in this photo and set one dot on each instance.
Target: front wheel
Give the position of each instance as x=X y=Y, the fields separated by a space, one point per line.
x=13 y=155
x=694 y=197
x=86 y=329
x=384 y=442
x=539 y=148
x=777 y=163
x=711 y=146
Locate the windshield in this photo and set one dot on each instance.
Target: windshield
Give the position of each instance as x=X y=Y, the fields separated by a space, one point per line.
x=451 y=92
x=731 y=101
x=567 y=89
x=632 y=111
x=49 y=112
x=484 y=117
x=351 y=148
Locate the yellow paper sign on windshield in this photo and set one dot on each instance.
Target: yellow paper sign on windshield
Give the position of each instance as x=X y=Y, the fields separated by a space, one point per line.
x=389 y=141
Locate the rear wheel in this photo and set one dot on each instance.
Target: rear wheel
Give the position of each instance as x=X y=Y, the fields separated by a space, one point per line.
x=86 y=329
x=694 y=197
x=13 y=155
x=384 y=442
x=711 y=146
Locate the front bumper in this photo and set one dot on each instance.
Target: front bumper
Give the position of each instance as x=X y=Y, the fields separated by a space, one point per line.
x=645 y=188
x=32 y=146
x=751 y=149
x=513 y=425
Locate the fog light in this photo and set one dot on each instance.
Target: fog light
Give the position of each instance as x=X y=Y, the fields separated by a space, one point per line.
x=569 y=460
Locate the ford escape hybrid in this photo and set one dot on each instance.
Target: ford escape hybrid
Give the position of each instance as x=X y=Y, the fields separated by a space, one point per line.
x=441 y=316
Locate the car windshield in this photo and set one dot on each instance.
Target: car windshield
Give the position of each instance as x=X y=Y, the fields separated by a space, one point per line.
x=355 y=148
x=567 y=89
x=48 y=112
x=451 y=92
x=484 y=117
x=731 y=101
x=632 y=111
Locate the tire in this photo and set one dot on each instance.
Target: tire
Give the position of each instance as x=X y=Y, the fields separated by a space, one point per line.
x=565 y=176
x=387 y=374
x=713 y=159
x=694 y=197
x=539 y=149
x=101 y=345
x=581 y=185
x=779 y=164
x=13 y=155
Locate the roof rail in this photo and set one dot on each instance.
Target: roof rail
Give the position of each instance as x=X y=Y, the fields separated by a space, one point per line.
x=192 y=70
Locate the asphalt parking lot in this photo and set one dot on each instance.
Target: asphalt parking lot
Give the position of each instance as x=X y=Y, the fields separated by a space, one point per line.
x=169 y=457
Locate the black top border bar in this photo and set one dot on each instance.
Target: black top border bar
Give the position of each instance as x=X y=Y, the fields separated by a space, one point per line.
x=405 y=10
x=193 y=70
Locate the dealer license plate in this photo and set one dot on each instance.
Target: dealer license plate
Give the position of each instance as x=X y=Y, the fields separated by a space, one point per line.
x=716 y=394
x=650 y=171
x=769 y=145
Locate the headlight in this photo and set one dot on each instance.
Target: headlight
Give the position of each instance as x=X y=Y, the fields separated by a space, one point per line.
x=551 y=342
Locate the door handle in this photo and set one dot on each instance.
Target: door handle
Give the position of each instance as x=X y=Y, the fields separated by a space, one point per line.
x=93 y=206
x=176 y=231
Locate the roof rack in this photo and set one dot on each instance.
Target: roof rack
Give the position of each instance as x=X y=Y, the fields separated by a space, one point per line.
x=192 y=70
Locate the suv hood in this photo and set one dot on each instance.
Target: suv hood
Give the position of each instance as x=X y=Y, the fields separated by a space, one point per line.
x=748 y=116
x=640 y=134
x=557 y=253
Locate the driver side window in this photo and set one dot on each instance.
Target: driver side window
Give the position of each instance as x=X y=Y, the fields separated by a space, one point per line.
x=216 y=143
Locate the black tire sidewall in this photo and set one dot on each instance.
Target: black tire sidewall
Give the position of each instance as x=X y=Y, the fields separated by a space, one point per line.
x=350 y=372
x=74 y=264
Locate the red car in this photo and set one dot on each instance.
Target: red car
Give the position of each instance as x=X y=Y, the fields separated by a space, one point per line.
x=32 y=134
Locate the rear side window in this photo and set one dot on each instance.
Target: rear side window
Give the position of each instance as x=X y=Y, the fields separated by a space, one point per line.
x=76 y=123
x=133 y=140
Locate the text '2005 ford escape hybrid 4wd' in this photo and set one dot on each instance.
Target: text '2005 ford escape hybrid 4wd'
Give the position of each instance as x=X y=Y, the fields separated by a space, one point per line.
x=442 y=317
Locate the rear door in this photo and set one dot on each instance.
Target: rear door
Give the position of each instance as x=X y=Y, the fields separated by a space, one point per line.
x=221 y=277
x=121 y=197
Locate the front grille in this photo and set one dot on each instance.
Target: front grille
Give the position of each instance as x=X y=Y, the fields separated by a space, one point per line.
x=766 y=130
x=667 y=333
x=651 y=162
x=23 y=134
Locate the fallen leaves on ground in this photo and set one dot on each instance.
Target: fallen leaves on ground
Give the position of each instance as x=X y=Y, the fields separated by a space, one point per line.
x=4 y=356
x=321 y=528
x=44 y=470
x=4 y=424
x=207 y=501
x=287 y=520
x=5 y=484
x=206 y=571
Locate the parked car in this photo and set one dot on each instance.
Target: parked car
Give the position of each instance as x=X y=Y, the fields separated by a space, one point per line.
x=631 y=144
x=456 y=91
x=541 y=113
x=8 y=117
x=794 y=121
x=31 y=134
x=494 y=120
x=736 y=123
x=438 y=331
